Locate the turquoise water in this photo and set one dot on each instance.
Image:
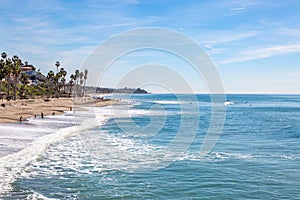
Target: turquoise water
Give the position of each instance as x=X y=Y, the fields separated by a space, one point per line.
x=257 y=156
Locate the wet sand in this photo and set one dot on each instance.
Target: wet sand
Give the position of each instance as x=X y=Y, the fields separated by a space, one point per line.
x=20 y=110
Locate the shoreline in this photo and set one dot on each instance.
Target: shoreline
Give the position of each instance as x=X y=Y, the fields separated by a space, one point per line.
x=19 y=148
x=21 y=110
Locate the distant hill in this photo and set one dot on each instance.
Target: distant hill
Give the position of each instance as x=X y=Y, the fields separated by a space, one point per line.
x=115 y=90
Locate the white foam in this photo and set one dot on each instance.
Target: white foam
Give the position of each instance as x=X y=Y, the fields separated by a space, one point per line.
x=101 y=152
x=37 y=196
x=11 y=166
x=15 y=130
x=169 y=102
x=139 y=112
x=228 y=103
x=215 y=156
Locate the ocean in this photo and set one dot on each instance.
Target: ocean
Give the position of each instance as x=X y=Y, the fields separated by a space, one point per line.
x=147 y=147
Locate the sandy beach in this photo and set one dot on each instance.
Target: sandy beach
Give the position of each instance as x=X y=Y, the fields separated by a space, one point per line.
x=20 y=110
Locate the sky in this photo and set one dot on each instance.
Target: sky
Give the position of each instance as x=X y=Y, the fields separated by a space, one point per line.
x=254 y=44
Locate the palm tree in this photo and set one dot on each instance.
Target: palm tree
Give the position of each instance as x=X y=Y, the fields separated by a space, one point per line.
x=63 y=73
x=81 y=77
x=2 y=74
x=24 y=81
x=8 y=69
x=63 y=81
x=57 y=64
x=50 y=77
x=85 y=78
x=56 y=79
x=76 y=76
x=81 y=82
x=76 y=81
x=3 y=55
x=16 y=70
x=2 y=68
x=71 y=82
x=85 y=75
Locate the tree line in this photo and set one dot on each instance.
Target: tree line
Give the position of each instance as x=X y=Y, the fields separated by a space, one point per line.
x=20 y=80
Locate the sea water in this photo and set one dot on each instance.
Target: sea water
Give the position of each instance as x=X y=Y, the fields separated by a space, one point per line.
x=107 y=153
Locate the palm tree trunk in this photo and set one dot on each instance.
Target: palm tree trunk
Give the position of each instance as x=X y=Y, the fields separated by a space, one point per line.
x=83 y=88
x=71 y=89
x=15 y=92
x=8 y=87
x=15 y=89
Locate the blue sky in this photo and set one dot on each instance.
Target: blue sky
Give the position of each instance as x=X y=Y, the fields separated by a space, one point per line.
x=254 y=44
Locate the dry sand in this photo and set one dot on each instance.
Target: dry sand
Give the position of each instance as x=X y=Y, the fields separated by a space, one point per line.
x=12 y=111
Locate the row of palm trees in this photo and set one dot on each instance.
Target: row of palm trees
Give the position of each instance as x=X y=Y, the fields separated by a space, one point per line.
x=57 y=82
x=10 y=73
x=15 y=83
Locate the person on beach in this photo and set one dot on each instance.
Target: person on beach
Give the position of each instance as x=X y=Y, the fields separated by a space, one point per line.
x=42 y=115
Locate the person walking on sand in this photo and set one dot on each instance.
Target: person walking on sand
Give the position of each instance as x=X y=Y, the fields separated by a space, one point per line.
x=42 y=115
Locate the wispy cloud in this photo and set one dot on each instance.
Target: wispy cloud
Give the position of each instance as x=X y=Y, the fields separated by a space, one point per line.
x=263 y=53
x=290 y=31
x=235 y=11
x=220 y=42
x=45 y=35
x=236 y=7
x=225 y=37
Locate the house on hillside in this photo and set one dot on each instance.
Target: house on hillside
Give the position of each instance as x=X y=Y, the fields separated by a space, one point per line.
x=34 y=77
x=27 y=67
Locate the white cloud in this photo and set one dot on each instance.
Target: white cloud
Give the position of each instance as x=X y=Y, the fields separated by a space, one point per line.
x=290 y=31
x=221 y=42
x=263 y=53
x=225 y=37
x=237 y=6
